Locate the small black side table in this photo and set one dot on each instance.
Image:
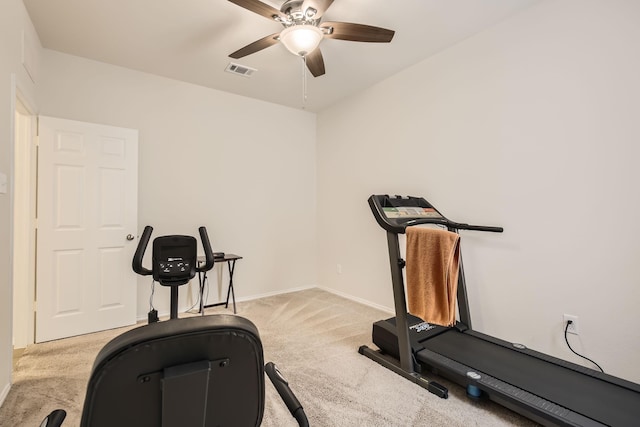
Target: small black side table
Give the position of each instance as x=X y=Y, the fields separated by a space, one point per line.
x=230 y=259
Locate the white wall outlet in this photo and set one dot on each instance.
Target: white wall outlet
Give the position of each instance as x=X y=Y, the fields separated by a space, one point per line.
x=339 y=268
x=573 y=327
x=3 y=183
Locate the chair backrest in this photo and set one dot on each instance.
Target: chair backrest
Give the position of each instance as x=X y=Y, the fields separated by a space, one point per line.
x=198 y=371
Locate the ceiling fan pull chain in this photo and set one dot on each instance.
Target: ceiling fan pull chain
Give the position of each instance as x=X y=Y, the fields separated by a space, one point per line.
x=304 y=81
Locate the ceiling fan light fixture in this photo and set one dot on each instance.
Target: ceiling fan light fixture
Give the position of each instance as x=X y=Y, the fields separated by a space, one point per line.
x=301 y=39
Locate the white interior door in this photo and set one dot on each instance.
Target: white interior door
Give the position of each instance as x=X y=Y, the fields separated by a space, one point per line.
x=87 y=217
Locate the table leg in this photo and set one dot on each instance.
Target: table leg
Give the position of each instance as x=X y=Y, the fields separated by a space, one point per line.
x=202 y=277
x=230 y=291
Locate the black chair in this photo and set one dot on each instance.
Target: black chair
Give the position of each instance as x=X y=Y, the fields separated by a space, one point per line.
x=199 y=371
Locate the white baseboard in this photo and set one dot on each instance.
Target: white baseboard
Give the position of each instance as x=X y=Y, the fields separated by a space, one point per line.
x=161 y=314
x=5 y=393
x=288 y=291
x=274 y=293
x=358 y=300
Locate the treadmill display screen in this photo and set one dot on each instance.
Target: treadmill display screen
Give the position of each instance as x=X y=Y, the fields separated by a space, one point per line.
x=405 y=212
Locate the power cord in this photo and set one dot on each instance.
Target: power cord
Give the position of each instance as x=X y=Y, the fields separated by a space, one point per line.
x=197 y=303
x=152 y=316
x=566 y=328
x=153 y=288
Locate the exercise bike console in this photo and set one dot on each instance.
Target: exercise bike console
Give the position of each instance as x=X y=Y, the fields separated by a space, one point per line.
x=174 y=259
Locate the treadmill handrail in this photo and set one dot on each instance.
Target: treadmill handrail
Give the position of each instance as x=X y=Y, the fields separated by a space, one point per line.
x=453 y=225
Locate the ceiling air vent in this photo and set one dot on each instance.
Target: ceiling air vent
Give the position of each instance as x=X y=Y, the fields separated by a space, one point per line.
x=240 y=70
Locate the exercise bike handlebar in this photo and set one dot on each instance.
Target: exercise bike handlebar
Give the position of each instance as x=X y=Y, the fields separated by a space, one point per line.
x=286 y=394
x=208 y=252
x=142 y=247
x=144 y=242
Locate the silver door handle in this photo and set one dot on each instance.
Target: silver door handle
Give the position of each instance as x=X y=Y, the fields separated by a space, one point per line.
x=130 y=237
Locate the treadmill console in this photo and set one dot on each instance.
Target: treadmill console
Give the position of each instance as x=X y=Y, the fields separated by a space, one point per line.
x=396 y=213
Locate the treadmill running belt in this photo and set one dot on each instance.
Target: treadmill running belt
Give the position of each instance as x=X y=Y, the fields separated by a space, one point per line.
x=592 y=397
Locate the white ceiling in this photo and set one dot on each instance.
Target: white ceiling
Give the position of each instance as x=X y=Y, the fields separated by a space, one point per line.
x=190 y=40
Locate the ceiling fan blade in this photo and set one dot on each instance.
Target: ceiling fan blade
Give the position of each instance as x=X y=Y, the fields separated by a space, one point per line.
x=315 y=63
x=320 y=7
x=256 y=46
x=259 y=8
x=356 y=32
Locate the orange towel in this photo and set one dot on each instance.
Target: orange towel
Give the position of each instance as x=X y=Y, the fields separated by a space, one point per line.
x=433 y=257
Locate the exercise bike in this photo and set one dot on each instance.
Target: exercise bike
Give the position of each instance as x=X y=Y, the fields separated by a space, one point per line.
x=184 y=372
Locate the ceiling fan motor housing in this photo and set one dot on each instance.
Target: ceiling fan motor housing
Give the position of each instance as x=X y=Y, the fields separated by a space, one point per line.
x=293 y=8
x=295 y=15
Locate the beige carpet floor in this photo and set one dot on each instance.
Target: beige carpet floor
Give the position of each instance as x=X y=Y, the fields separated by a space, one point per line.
x=312 y=335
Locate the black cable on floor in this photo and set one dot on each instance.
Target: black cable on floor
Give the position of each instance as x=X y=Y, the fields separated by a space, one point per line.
x=574 y=352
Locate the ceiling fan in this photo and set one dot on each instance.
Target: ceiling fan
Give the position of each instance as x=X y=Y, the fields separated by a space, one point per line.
x=303 y=30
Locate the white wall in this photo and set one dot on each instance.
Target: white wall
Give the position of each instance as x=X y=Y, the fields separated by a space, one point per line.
x=531 y=125
x=14 y=22
x=243 y=168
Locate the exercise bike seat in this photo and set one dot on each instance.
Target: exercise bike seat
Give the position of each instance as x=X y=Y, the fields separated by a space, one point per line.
x=197 y=371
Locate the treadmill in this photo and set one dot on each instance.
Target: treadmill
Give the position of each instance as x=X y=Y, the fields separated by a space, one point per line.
x=545 y=389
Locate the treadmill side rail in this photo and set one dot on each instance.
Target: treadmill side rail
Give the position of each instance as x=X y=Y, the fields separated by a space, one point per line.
x=518 y=400
x=394 y=365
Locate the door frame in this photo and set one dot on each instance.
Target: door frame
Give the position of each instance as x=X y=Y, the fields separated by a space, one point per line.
x=23 y=226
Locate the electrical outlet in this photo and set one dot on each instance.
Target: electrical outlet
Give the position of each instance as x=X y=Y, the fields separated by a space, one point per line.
x=339 y=268
x=573 y=327
x=3 y=183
